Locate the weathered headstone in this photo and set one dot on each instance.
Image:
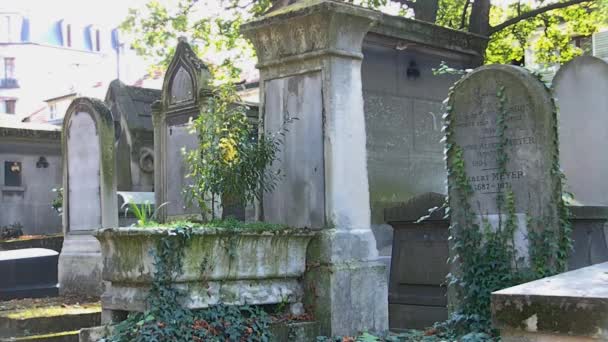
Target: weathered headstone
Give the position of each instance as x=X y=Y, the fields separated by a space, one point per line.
x=309 y=58
x=89 y=201
x=498 y=112
x=185 y=86
x=581 y=87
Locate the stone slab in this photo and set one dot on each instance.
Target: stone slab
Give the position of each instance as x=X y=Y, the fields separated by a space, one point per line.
x=574 y=303
x=30 y=272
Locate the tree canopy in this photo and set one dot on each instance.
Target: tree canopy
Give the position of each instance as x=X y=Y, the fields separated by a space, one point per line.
x=543 y=26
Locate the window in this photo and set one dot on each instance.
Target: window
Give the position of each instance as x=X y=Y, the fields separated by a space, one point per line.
x=5 y=29
x=68 y=34
x=12 y=173
x=10 y=106
x=97 y=41
x=53 y=111
x=9 y=68
x=7 y=106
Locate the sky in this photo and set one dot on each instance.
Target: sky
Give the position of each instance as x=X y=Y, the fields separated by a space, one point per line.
x=107 y=13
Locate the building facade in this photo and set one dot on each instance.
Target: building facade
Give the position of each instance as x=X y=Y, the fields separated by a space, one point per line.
x=45 y=58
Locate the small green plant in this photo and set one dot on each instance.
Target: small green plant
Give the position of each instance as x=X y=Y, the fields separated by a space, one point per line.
x=144 y=213
x=232 y=162
x=57 y=202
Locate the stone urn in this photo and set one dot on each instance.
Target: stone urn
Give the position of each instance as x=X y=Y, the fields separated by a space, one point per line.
x=220 y=265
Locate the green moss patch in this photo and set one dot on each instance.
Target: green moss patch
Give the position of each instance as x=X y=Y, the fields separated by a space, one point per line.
x=51 y=311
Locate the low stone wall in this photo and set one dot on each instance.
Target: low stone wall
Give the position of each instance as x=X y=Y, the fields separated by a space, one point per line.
x=571 y=306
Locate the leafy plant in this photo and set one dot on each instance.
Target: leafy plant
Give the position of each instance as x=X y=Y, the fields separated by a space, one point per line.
x=57 y=202
x=144 y=213
x=11 y=231
x=231 y=163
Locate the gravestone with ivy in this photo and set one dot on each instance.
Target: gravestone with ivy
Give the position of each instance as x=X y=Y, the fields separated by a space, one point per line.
x=580 y=87
x=89 y=195
x=185 y=88
x=508 y=220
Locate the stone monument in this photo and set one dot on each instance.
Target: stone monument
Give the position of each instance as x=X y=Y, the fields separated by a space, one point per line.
x=581 y=87
x=309 y=57
x=498 y=112
x=89 y=201
x=185 y=86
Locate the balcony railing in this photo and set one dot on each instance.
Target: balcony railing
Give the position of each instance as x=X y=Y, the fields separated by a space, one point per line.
x=9 y=83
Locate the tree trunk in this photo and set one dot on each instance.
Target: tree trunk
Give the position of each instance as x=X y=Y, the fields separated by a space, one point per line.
x=480 y=17
x=426 y=10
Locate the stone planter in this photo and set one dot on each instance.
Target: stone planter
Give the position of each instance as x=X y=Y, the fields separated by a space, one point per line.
x=219 y=266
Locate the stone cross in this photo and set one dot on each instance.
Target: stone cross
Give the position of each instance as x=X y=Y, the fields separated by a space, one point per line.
x=581 y=87
x=529 y=143
x=89 y=193
x=309 y=57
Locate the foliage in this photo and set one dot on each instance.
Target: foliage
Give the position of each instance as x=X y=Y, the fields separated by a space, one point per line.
x=548 y=36
x=11 y=231
x=57 y=202
x=230 y=162
x=214 y=26
x=484 y=258
x=165 y=319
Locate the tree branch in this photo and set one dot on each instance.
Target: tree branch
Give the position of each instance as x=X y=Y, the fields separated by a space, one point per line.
x=534 y=13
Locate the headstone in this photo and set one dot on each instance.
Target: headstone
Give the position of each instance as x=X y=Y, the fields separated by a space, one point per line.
x=473 y=126
x=185 y=86
x=581 y=87
x=89 y=200
x=28 y=273
x=309 y=56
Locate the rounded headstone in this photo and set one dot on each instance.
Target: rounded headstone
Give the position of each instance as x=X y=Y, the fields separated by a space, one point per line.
x=529 y=141
x=581 y=89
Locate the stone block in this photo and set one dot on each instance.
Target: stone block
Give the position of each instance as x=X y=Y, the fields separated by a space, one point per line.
x=571 y=306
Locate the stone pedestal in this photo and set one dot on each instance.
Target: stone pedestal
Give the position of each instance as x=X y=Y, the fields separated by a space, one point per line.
x=310 y=68
x=89 y=195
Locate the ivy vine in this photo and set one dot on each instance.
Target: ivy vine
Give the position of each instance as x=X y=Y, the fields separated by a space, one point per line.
x=484 y=257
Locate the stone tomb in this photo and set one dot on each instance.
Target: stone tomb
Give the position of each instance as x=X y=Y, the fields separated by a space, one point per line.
x=89 y=196
x=581 y=87
x=529 y=143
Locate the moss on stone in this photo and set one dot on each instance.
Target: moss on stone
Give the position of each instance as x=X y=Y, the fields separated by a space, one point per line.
x=51 y=311
x=46 y=337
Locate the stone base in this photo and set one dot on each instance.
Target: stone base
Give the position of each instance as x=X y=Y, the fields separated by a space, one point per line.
x=130 y=297
x=347 y=296
x=80 y=266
